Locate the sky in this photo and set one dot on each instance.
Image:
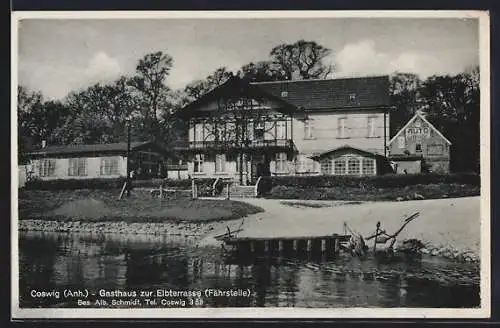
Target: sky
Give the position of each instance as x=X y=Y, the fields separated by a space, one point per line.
x=56 y=56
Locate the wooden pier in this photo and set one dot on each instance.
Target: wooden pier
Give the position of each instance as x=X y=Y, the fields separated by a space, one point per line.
x=303 y=246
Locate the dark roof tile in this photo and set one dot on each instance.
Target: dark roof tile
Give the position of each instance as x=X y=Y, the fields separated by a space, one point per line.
x=332 y=93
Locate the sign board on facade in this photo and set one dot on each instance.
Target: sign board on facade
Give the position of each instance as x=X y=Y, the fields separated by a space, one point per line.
x=417 y=131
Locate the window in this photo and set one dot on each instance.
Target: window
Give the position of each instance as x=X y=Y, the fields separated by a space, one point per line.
x=326 y=166
x=353 y=166
x=219 y=132
x=47 y=167
x=284 y=94
x=220 y=163
x=250 y=131
x=401 y=142
x=418 y=148
x=371 y=127
x=259 y=131
x=435 y=149
x=281 y=130
x=339 y=166
x=352 y=96
x=342 y=127
x=368 y=166
x=281 y=162
x=198 y=163
x=77 y=167
x=109 y=166
x=198 y=132
x=308 y=129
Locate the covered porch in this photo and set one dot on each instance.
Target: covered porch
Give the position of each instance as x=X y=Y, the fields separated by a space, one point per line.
x=237 y=131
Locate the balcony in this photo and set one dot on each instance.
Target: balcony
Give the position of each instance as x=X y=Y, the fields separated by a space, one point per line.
x=273 y=144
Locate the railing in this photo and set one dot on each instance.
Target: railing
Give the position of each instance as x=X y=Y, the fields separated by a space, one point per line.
x=285 y=143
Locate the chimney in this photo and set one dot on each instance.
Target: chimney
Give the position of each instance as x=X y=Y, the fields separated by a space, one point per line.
x=44 y=143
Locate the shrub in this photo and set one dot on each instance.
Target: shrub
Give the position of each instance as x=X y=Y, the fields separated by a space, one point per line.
x=368 y=182
x=60 y=184
x=430 y=191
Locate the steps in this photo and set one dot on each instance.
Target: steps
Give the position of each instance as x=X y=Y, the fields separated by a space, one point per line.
x=237 y=191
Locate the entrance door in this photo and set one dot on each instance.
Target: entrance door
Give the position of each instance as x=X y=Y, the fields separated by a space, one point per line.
x=260 y=167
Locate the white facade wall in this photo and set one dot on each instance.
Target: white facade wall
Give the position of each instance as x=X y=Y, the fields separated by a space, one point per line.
x=93 y=168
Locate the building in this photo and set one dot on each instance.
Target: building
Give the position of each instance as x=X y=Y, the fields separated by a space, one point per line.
x=418 y=147
x=243 y=130
x=147 y=160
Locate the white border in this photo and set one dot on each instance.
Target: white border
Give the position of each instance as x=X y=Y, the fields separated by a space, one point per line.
x=258 y=313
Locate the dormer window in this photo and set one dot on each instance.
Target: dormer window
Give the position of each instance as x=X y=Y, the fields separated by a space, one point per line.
x=284 y=94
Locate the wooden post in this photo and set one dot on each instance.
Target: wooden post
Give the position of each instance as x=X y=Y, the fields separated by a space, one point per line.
x=194 y=188
x=280 y=246
x=228 y=195
x=323 y=246
x=336 y=247
x=266 y=246
x=252 y=247
x=376 y=235
x=294 y=245
x=309 y=244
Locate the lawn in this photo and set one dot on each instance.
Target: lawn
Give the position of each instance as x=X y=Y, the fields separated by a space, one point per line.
x=103 y=205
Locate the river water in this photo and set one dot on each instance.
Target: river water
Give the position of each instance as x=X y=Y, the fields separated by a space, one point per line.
x=55 y=262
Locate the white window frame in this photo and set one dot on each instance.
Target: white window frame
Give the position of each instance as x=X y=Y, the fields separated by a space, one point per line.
x=281 y=162
x=342 y=127
x=220 y=163
x=309 y=128
x=199 y=133
x=366 y=160
x=355 y=160
x=198 y=163
x=326 y=166
x=109 y=166
x=47 y=167
x=340 y=160
x=281 y=130
x=371 y=125
x=416 y=150
x=78 y=167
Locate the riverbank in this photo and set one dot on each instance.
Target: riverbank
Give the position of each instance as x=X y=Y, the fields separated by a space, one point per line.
x=447 y=227
x=101 y=206
x=194 y=230
x=450 y=228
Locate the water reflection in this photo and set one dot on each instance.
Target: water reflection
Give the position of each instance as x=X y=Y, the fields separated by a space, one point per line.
x=138 y=262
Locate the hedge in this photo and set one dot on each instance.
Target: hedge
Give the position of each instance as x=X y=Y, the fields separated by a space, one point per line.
x=368 y=182
x=61 y=184
x=430 y=191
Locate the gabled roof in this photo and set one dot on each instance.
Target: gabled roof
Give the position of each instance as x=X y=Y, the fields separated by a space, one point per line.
x=417 y=115
x=235 y=88
x=345 y=147
x=119 y=147
x=333 y=94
